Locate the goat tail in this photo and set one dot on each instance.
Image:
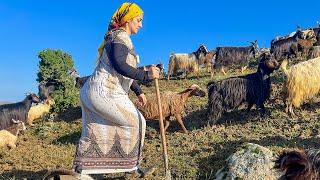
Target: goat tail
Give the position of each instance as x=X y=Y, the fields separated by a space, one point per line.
x=296 y=165
x=283 y=66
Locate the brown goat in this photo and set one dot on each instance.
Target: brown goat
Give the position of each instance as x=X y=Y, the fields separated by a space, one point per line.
x=173 y=104
x=299 y=164
x=208 y=61
x=304 y=45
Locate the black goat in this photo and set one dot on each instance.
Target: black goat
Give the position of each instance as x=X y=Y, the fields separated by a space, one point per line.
x=17 y=110
x=252 y=88
x=80 y=81
x=46 y=89
x=299 y=164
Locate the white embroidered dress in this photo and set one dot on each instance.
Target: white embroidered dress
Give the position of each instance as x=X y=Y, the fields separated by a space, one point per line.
x=113 y=129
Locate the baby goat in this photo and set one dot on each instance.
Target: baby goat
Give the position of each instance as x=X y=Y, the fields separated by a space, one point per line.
x=9 y=136
x=252 y=88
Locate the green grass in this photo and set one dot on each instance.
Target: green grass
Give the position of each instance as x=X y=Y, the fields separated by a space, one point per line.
x=196 y=155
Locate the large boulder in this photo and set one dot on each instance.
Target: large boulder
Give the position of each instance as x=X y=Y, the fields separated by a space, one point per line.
x=251 y=161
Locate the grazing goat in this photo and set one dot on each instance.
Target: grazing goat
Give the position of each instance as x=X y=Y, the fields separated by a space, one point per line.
x=299 y=164
x=227 y=57
x=16 y=111
x=252 y=88
x=39 y=111
x=292 y=44
x=187 y=62
x=302 y=82
x=9 y=136
x=58 y=174
x=173 y=104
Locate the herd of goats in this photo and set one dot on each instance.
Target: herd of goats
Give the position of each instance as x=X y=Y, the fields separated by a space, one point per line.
x=302 y=82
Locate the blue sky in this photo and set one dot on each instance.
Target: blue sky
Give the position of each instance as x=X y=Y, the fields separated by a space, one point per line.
x=77 y=27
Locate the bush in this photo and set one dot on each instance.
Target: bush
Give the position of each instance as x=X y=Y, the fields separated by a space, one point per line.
x=54 y=66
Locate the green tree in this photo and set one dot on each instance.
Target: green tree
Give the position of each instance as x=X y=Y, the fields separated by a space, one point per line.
x=54 y=66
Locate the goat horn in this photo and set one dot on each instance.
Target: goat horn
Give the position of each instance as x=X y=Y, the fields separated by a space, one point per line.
x=14 y=121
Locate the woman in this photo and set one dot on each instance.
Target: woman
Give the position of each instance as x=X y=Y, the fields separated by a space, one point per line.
x=112 y=128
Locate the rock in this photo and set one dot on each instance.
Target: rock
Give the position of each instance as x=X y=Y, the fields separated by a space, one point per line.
x=251 y=161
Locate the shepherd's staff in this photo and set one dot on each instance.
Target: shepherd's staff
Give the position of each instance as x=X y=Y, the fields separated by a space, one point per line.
x=162 y=132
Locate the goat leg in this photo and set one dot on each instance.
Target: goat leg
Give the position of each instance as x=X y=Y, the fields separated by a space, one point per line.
x=167 y=123
x=249 y=106
x=262 y=111
x=179 y=119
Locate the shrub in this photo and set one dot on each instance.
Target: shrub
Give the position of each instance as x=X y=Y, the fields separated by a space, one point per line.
x=54 y=66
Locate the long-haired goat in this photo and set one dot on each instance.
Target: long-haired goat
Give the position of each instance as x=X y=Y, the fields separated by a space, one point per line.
x=187 y=62
x=227 y=57
x=16 y=111
x=173 y=104
x=252 y=88
x=302 y=82
x=299 y=164
x=9 y=136
x=39 y=110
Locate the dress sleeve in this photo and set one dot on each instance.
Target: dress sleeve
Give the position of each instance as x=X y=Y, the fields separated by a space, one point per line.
x=136 y=88
x=118 y=57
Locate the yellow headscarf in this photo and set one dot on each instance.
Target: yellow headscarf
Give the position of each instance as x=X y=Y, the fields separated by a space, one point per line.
x=123 y=14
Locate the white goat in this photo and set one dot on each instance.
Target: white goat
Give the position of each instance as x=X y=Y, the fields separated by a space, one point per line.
x=9 y=136
x=302 y=82
x=39 y=111
x=186 y=62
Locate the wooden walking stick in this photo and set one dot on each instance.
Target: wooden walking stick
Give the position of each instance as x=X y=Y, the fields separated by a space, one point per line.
x=162 y=132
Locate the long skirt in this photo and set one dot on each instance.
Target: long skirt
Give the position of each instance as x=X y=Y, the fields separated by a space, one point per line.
x=112 y=134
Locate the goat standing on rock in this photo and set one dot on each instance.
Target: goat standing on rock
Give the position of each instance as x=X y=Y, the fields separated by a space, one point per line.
x=252 y=88
x=173 y=104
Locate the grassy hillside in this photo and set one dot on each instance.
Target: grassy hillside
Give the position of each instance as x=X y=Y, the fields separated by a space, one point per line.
x=197 y=155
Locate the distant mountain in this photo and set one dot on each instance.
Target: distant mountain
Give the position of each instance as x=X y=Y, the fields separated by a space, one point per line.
x=4 y=102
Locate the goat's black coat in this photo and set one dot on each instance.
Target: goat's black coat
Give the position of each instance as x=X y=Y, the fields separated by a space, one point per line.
x=17 y=111
x=46 y=89
x=235 y=56
x=231 y=92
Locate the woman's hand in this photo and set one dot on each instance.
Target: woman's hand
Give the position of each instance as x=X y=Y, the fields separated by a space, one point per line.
x=142 y=100
x=153 y=72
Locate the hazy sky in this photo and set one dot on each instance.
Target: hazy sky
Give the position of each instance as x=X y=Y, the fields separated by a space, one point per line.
x=78 y=27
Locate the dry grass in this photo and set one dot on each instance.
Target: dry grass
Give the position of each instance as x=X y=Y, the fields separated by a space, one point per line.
x=196 y=155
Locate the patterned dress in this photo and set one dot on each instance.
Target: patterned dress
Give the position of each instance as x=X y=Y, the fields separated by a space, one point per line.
x=113 y=129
